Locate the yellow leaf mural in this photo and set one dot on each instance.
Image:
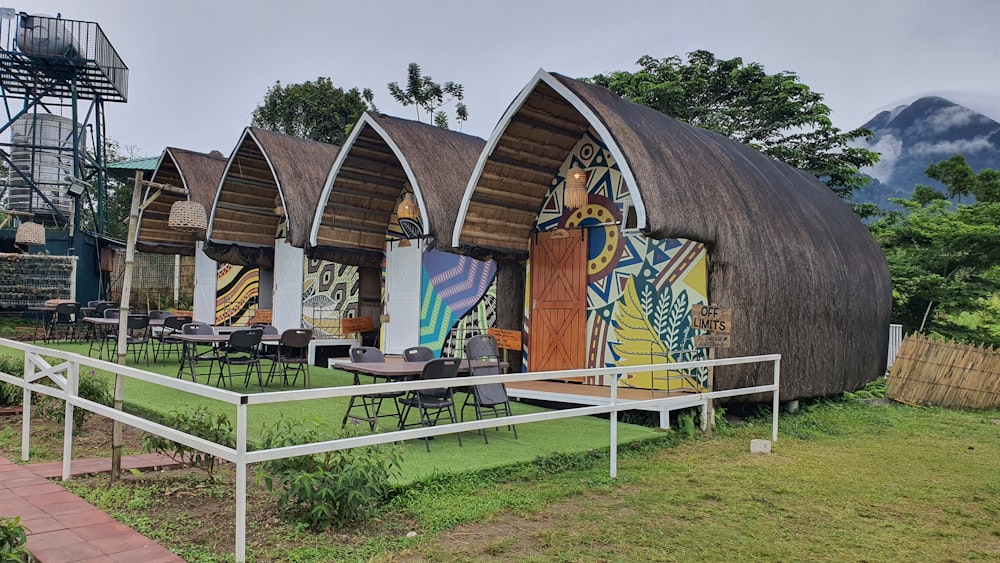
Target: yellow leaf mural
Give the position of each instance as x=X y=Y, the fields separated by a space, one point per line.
x=638 y=342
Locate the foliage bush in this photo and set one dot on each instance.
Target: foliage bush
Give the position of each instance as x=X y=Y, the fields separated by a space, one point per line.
x=10 y=394
x=92 y=387
x=874 y=390
x=323 y=488
x=199 y=422
x=13 y=536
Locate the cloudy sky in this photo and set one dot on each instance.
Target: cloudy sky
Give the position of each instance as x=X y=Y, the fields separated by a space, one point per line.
x=197 y=68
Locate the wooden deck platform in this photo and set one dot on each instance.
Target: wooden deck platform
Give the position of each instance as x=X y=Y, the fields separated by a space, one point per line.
x=581 y=394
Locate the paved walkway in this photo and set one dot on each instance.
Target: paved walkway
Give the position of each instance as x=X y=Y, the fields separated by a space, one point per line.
x=65 y=528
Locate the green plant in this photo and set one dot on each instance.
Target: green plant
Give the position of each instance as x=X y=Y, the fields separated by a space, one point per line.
x=10 y=394
x=874 y=390
x=200 y=422
x=323 y=488
x=91 y=387
x=13 y=536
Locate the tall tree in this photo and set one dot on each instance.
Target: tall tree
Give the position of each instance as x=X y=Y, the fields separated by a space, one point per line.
x=945 y=259
x=316 y=110
x=773 y=113
x=425 y=94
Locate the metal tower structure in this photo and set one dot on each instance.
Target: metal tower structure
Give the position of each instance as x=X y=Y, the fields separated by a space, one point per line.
x=55 y=76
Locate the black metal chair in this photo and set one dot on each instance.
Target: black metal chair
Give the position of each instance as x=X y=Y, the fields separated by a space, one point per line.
x=243 y=349
x=371 y=403
x=166 y=342
x=292 y=356
x=192 y=357
x=434 y=404
x=488 y=399
x=418 y=354
x=65 y=319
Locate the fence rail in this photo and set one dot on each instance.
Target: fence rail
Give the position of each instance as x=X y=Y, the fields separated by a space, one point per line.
x=65 y=374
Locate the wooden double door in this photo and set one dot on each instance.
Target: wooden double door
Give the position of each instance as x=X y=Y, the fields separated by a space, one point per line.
x=558 y=303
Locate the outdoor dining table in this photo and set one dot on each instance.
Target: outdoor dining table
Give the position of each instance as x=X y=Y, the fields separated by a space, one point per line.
x=101 y=326
x=190 y=354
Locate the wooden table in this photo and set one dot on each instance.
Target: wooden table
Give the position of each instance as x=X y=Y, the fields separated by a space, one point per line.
x=392 y=371
x=190 y=356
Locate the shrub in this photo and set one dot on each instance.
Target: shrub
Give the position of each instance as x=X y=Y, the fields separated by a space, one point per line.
x=199 y=422
x=322 y=488
x=13 y=536
x=91 y=387
x=10 y=394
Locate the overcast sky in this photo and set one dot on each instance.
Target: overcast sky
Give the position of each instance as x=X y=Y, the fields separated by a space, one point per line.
x=197 y=69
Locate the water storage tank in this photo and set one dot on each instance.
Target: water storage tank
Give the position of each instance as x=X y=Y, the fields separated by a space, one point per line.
x=43 y=35
x=42 y=150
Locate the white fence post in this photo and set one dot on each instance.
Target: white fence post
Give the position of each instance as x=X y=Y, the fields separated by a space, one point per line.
x=72 y=390
x=614 y=425
x=241 y=480
x=29 y=370
x=895 y=341
x=775 y=406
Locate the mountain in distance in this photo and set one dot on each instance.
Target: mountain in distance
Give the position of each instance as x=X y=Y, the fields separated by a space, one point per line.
x=912 y=136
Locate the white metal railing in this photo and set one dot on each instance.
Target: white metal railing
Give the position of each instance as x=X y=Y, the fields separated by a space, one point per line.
x=66 y=376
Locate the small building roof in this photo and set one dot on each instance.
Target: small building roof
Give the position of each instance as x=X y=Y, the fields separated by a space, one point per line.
x=124 y=170
x=384 y=157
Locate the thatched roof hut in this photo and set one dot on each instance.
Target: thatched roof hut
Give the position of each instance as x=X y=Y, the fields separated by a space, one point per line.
x=800 y=272
x=384 y=157
x=272 y=182
x=199 y=173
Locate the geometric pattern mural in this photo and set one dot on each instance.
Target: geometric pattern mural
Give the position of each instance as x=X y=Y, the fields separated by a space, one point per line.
x=639 y=290
x=330 y=292
x=455 y=297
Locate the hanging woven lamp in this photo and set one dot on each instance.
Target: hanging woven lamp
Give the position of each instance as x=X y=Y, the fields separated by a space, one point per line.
x=29 y=233
x=576 y=188
x=188 y=216
x=408 y=208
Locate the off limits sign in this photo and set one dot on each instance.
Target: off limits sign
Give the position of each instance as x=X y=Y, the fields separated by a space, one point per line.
x=716 y=322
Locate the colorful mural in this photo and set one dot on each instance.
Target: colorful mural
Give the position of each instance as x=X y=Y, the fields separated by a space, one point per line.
x=236 y=294
x=330 y=292
x=458 y=294
x=639 y=290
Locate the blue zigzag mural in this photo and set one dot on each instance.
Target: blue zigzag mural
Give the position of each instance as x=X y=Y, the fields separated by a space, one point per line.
x=451 y=286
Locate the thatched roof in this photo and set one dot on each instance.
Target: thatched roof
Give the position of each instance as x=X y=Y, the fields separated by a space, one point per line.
x=200 y=174
x=380 y=157
x=801 y=273
x=266 y=171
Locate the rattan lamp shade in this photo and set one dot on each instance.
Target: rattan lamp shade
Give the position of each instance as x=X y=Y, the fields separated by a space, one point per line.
x=408 y=208
x=188 y=216
x=576 y=188
x=29 y=233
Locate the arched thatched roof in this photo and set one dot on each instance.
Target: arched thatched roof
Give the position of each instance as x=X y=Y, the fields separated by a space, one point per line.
x=383 y=155
x=267 y=171
x=801 y=273
x=200 y=174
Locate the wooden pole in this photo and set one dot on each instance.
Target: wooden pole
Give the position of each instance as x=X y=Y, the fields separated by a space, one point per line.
x=133 y=230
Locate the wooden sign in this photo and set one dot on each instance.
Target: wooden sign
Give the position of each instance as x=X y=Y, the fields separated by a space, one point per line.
x=712 y=341
x=711 y=318
x=351 y=325
x=506 y=339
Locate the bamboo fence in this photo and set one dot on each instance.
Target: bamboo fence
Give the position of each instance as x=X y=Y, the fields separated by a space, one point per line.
x=944 y=373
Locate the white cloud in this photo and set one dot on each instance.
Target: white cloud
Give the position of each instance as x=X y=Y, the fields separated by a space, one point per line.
x=958 y=146
x=890 y=148
x=949 y=117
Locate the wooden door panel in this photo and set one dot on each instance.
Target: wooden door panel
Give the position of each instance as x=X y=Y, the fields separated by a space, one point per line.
x=559 y=302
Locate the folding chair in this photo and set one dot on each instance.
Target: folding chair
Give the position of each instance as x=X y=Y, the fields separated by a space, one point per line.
x=371 y=403
x=66 y=318
x=483 y=350
x=418 y=354
x=192 y=357
x=166 y=342
x=292 y=356
x=243 y=349
x=434 y=404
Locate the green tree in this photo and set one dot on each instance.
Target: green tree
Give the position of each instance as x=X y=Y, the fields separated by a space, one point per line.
x=425 y=94
x=773 y=113
x=945 y=259
x=316 y=110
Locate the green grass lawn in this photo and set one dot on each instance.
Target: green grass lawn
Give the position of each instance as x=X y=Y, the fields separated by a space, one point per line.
x=534 y=440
